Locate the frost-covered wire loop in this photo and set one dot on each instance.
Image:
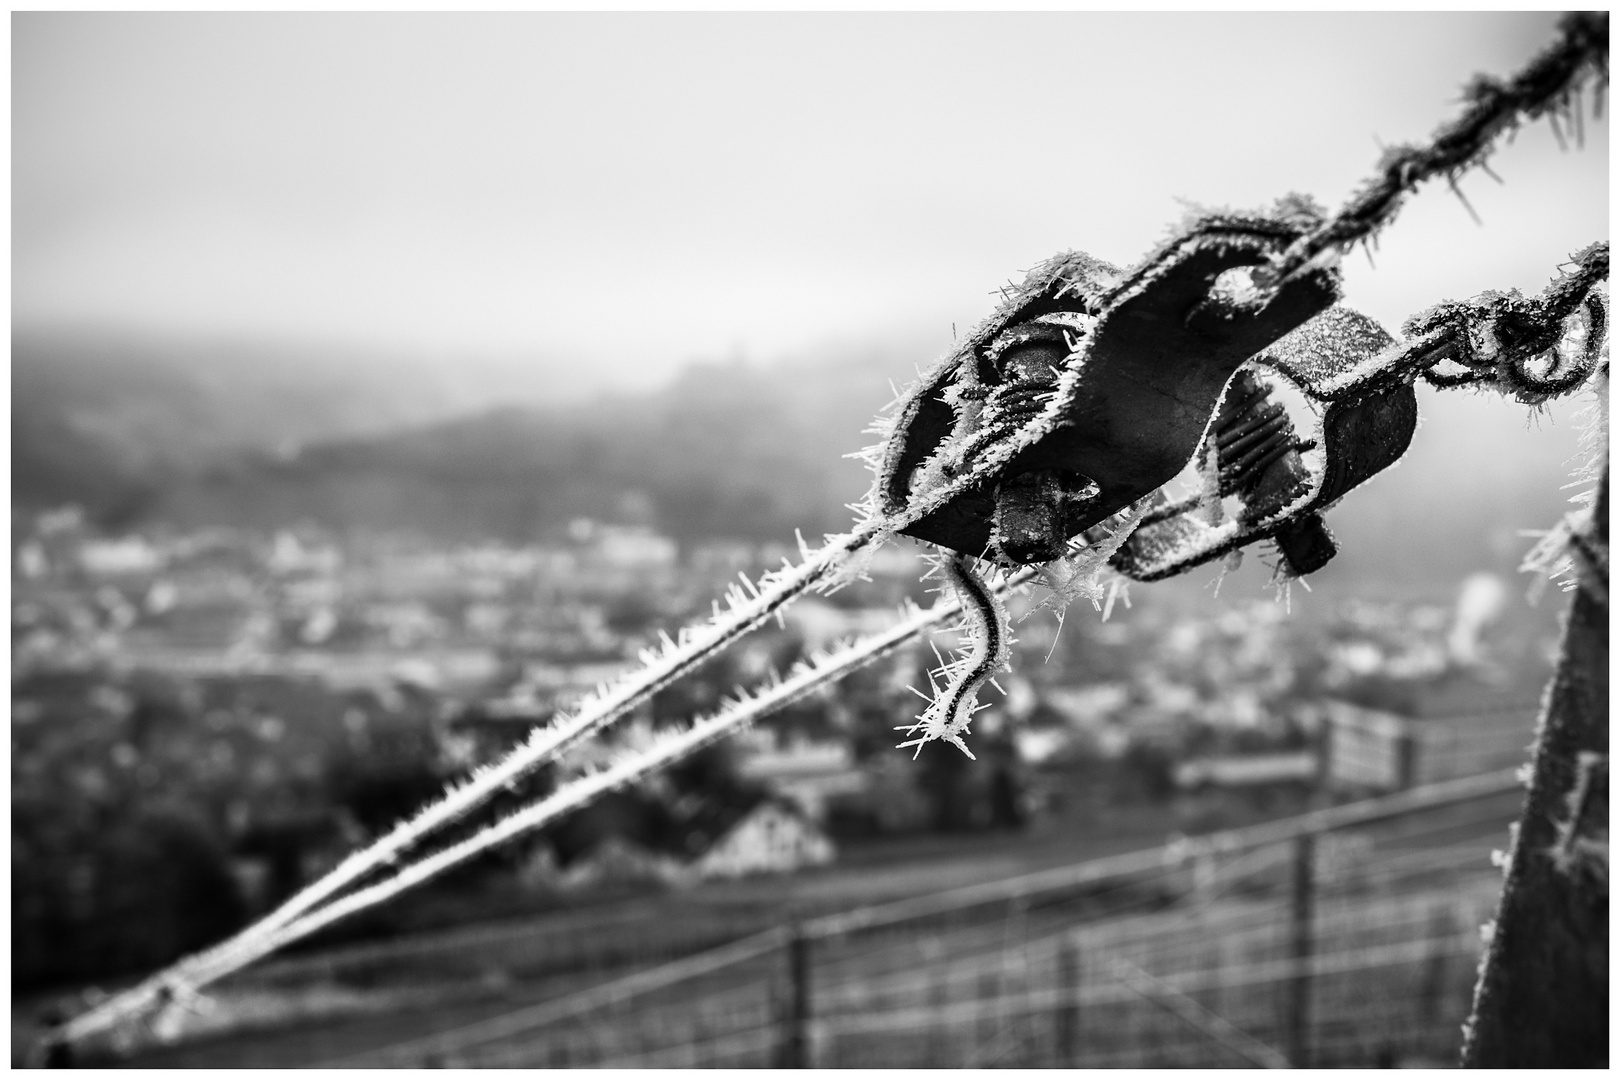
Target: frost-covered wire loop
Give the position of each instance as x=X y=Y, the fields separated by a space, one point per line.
x=1533 y=348
x=956 y=683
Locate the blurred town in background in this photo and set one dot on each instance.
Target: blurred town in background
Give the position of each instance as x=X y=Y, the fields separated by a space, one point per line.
x=266 y=605
x=204 y=720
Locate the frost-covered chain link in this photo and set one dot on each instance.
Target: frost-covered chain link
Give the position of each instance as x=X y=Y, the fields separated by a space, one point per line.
x=1533 y=348
x=1549 y=86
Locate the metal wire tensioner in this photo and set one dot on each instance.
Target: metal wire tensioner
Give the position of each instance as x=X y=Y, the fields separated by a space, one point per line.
x=1042 y=446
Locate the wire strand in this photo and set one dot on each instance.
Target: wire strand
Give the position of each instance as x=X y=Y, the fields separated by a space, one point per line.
x=1550 y=83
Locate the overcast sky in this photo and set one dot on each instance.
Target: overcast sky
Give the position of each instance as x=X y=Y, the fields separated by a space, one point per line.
x=631 y=192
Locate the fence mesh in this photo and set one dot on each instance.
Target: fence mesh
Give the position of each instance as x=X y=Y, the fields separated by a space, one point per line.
x=1357 y=949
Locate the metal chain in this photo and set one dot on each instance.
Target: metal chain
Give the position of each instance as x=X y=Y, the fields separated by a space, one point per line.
x=1496 y=337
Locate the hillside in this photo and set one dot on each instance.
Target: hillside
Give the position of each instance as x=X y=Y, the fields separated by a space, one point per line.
x=726 y=451
x=106 y=419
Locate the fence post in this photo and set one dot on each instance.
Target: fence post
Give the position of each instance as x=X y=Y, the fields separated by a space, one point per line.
x=987 y=989
x=1067 y=1018
x=795 y=1047
x=1407 y=754
x=1298 y=1011
x=1432 y=993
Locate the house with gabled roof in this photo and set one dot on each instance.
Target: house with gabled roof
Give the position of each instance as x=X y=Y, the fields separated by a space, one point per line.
x=630 y=837
x=771 y=837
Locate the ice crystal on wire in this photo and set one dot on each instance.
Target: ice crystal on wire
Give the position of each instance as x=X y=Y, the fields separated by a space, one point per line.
x=1568 y=554
x=1084 y=573
x=1583 y=837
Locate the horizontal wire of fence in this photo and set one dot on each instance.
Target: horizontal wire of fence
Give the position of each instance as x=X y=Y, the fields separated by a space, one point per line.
x=708 y=1052
x=1422 y=949
x=548 y=1012
x=1460 y=942
x=1417 y=919
x=552 y=941
x=864 y=960
x=1045 y=999
x=1112 y=871
x=1148 y=945
x=1095 y=871
x=1190 y=1012
x=863 y=973
x=1035 y=1001
x=1039 y=999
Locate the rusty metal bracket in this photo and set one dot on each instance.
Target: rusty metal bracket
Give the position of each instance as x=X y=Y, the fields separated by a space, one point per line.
x=1362 y=424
